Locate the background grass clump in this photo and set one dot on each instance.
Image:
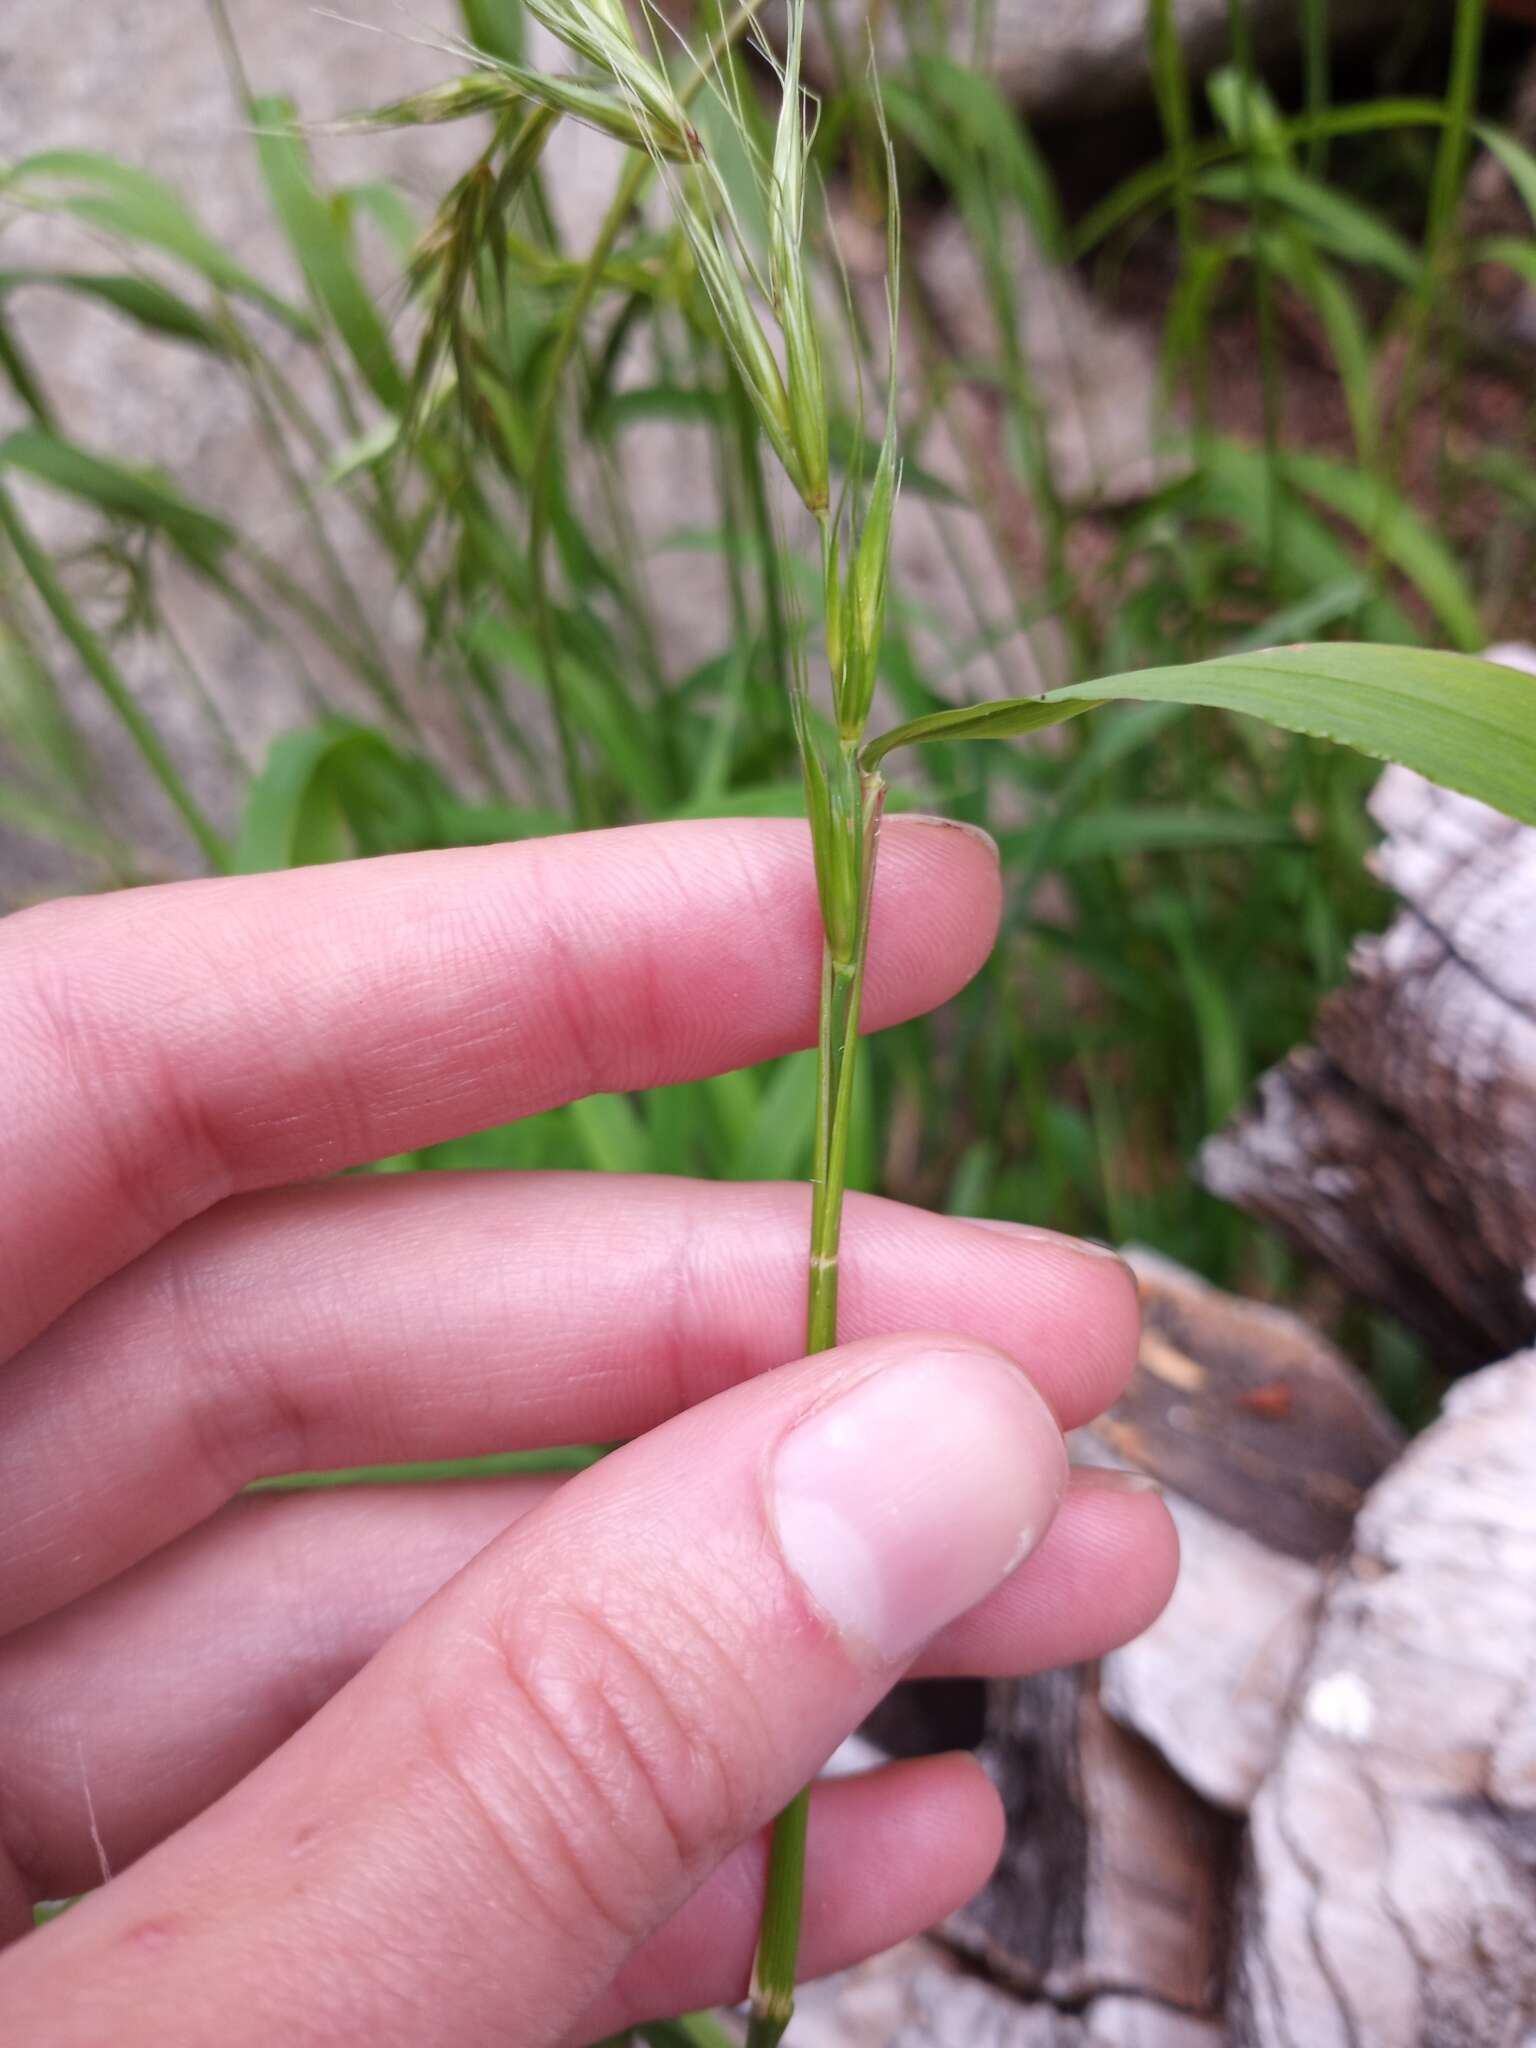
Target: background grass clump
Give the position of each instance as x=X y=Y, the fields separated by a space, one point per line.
x=538 y=435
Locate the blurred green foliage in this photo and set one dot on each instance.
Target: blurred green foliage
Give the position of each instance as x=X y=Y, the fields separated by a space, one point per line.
x=1182 y=885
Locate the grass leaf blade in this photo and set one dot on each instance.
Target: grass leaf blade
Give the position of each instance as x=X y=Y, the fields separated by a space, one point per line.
x=1463 y=722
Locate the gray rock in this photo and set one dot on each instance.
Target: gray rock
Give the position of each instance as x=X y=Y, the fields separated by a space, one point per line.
x=1089 y=56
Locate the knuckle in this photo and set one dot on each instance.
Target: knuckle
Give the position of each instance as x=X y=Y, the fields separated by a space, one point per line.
x=244 y=1415
x=116 y=1086
x=590 y=1747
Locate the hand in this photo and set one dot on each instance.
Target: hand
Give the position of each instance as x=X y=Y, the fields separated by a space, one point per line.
x=490 y=1762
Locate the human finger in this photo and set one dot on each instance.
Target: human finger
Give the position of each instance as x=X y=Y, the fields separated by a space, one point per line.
x=543 y=1766
x=135 y=1708
x=166 y=1047
x=427 y=1316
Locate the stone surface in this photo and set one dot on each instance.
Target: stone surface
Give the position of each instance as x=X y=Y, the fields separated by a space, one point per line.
x=1105 y=428
x=145 y=82
x=1090 y=56
x=63 y=68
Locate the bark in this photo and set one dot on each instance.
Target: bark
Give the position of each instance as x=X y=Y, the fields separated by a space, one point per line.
x=1390 y=1886
x=1126 y=1782
x=918 y=1997
x=1300 y=1812
x=1401 y=1150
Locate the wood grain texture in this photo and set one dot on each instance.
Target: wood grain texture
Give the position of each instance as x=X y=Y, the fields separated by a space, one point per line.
x=1126 y=1783
x=1390 y=1883
x=1246 y=1411
x=918 y=1997
x=1401 y=1148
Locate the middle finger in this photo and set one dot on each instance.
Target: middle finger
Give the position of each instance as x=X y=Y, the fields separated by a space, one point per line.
x=443 y=1315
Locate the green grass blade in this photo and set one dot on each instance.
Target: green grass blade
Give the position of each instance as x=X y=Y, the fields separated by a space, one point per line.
x=1248 y=112
x=390 y=211
x=778 y=1147
x=759 y=800
x=730 y=675
x=103 y=671
x=1006 y=720
x=496 y=824
x=1230 y=487
x=1518 y=162
x=1465 y=723
x=1170 y=81
x=17 y=370
x=971 y=106
x=1156 y=183
x=1223 y=1062
x=1390 y=523
x=1335 y=222
x=1187 y=322
x=1125 y=830
x=1295 y=259
x=34 y=723
x=498 y=27
x=1329 y=605
x=337 y=790
x=603 y=710
x=291 y=818
x=1515 y=254
x=611 y=1134
x=437 y=1472
x=120 y=492
x=150 y=305
x=323 y=249
x=140 y=208
x=693 y=2030
x=1316 y=65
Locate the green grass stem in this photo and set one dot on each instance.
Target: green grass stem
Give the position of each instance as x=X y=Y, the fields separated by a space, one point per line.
x=103 y=671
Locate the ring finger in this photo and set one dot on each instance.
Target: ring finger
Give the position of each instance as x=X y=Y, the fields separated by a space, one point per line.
x=138 y=1706
x=443 y=1315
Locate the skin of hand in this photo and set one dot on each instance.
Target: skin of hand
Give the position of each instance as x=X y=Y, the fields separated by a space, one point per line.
x=492 y=1762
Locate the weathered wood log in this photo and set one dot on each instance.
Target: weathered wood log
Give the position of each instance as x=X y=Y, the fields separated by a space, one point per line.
x=1390 y=1890
x=1125 y=1783
x=1246 y=1411
x=918 y=1997
x=1116 y=1877
x=1339 y=1705
x=1402 y=1149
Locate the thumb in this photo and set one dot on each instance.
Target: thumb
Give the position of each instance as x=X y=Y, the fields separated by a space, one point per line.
x=466 y=1844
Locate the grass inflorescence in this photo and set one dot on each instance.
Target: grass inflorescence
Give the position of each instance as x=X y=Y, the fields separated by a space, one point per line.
x=469 y=384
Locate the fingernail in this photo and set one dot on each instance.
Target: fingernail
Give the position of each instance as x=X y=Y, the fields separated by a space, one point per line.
x=933 y=821
x=905 y=1499
x=1037 y=1233
x=1111 y=1479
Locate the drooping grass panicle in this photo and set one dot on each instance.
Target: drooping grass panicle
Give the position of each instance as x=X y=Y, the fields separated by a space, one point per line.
x=789 y=278
x=601 y=33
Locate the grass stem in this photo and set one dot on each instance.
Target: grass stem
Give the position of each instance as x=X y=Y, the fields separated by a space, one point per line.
x=837 y=1049
x=98 y=662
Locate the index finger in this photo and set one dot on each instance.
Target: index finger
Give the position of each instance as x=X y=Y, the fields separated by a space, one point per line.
x=169 y=1046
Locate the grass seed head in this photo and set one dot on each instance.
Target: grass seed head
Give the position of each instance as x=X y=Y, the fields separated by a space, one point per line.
x=868 y=577
x=834 y=806
x=715 y=255
x=790 y=285
x=600 y=31
x=454 y=100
